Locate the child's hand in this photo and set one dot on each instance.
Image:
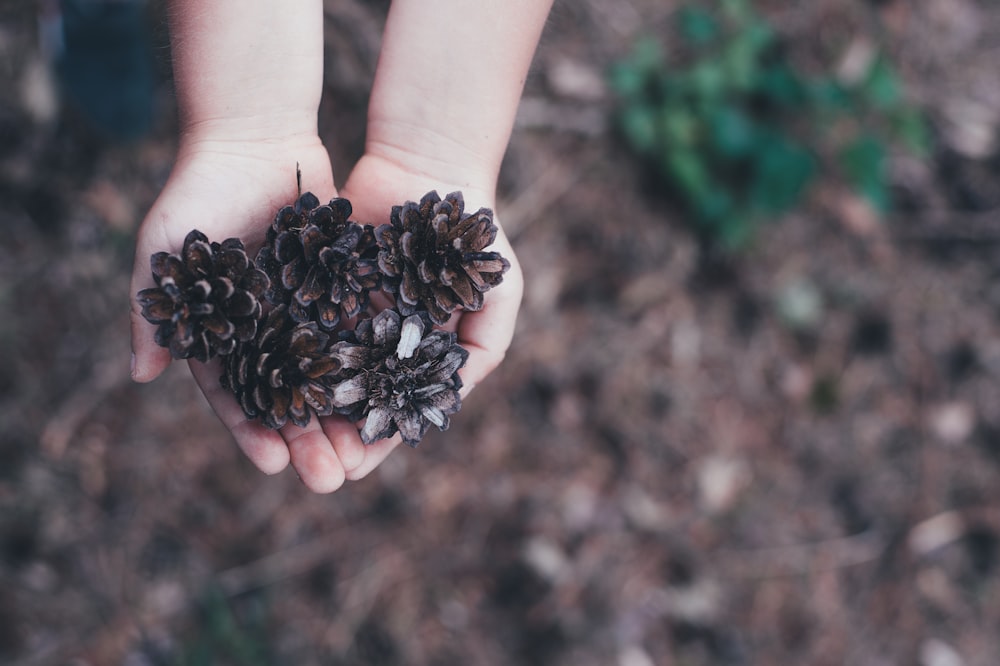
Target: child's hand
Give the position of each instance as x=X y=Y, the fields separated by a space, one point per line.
x=374 y=187
x=232 y=189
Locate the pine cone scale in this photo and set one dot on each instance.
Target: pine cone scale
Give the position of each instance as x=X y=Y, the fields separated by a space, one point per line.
x=378 y=425
x=241 y=304
x=221 y=286
x=291 y=278
x=298 y=312
x=350 y=391
x=411 y=424
x=312 y=287
x=198 y=256
x=234 y=262
x=328 y=314
x=157 y=306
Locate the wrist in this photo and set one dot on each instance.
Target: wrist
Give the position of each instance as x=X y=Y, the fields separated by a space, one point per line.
x=274 y=127
x=248 y=143
x=439 y=161
x=412 y=175
x=247 y=69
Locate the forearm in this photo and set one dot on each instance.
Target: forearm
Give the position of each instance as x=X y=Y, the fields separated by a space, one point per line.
x=449 y=79
x=247 y=69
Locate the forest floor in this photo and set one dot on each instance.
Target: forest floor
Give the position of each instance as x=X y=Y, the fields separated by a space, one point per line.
x=663 y=471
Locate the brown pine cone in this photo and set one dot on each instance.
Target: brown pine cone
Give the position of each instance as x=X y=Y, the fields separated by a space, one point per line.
x=399 y=373
x=321 y=264
x=282 y=373
x=206 y=299
x=288 y=218
x=432 y=256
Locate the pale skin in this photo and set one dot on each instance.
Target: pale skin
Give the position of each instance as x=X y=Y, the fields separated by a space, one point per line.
x=248 y=75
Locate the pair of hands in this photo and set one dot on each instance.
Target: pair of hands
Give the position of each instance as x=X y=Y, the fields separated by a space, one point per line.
x=231 y=188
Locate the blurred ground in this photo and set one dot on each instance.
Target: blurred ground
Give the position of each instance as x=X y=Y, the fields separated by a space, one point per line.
x=679 y=463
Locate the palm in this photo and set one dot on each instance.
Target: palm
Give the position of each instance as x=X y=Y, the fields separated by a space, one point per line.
x=224 y=191
x=229 y=194
x=374 y=187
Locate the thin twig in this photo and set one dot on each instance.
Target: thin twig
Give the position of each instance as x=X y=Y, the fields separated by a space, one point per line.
x=797 y=559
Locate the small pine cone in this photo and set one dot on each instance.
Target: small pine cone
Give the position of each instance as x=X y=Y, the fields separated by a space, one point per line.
x=399 y=373
x=288 y=220
x=283 y=372
x=432 y=257
x=206 y=299
x=321 y=264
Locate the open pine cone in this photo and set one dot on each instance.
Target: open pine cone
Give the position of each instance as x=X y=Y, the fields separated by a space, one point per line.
x=399 y=373
x=432 y=256
x=206 y=299
x=321 y=264
x=282 y=373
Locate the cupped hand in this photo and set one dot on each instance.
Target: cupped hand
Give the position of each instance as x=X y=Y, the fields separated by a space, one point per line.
x=232 y=189
x=374 y=187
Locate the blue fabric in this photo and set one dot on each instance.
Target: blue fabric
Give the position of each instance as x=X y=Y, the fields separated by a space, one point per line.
x=106 y=66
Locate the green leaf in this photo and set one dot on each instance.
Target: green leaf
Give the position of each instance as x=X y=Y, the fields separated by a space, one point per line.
x=713 y=208
x=698 y=25
x=783 y=86
x=743 y=56
x=708 y=80
x=735 y=231
x=863 y=162
x=881 y=86
x=737 y=11
x=638 y=123
x=732 y=132
x=633 y=76
x=627 y=80
x=910 y=126
x=829 y=97
x=687 y=171
x=782 y=171
x=680 y=126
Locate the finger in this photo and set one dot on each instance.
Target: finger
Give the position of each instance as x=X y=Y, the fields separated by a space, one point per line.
x=313 y=457
x=487 y=334
x=148 y=358
x=374 y=455
x=346 y=442
x=265 y=448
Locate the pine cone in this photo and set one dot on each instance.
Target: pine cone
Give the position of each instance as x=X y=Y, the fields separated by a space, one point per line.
x=399 y=373
x=283 y=372
x=293 y=219
x=432 y=257
x=321 y=264
x=206 y=299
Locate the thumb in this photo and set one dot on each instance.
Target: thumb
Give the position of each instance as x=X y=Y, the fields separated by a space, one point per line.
x=149 y=360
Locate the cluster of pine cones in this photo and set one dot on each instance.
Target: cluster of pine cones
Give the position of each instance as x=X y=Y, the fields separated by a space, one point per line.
x=296 y=327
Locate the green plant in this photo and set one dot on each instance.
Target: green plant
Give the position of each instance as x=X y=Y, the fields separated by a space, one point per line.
x=737 y=133
x=222 y=638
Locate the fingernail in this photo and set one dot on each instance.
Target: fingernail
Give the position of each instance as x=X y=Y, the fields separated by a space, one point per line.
x=132 y=366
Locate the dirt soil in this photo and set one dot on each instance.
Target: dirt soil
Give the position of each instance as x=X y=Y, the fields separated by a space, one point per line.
x=787 y=457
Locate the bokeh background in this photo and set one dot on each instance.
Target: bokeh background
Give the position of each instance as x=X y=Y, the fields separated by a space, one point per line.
x=749 y=417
